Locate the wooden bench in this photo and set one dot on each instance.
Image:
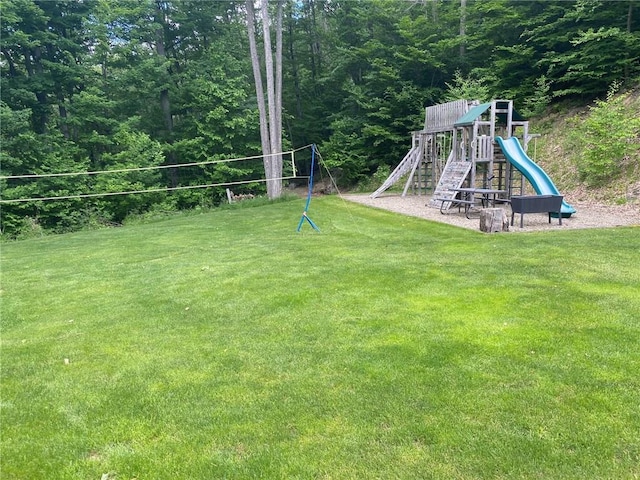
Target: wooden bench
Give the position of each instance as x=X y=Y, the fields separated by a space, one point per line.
x=536 y=204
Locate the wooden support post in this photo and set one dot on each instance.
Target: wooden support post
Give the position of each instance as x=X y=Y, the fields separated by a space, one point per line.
x=493 y=220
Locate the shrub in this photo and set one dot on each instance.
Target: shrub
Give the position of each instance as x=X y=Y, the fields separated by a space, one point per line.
x=609 y=136
x=536 y=104
x=472 y=87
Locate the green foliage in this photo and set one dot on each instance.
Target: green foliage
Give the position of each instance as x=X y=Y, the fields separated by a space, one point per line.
x=22 y=228
x=610 y=137
x=380 y=101
x=372 y=182
x=134 y=150
x=25 y=152
x=382 y=173
x=586 y=45
x=357 y=76
x=92 y=122
x=536 y=103
x=467 y=88
x=344 y=151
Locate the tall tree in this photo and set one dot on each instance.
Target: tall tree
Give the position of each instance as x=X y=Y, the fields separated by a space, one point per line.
x=271 y=119
x=463 y=27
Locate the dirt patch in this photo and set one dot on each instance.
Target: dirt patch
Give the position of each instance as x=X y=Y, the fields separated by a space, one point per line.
x=588 y=215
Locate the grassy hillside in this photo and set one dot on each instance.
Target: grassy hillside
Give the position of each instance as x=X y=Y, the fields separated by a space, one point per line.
x=226 y=345
x=563 y=143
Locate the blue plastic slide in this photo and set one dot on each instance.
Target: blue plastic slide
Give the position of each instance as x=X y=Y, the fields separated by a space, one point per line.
x=541 y=182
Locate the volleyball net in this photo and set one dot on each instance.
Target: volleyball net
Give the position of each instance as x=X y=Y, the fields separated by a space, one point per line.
x=242 y=172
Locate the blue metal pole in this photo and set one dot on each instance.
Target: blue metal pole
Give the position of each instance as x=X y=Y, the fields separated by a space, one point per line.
x=306 y=208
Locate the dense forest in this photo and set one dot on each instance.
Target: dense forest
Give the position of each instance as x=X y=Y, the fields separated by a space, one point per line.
x=96 y=85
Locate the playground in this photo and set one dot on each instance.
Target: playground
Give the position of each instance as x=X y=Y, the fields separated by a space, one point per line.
x=471 y=155
x=591 y=215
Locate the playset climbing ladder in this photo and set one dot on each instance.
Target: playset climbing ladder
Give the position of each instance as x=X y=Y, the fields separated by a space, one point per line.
x=453 y=176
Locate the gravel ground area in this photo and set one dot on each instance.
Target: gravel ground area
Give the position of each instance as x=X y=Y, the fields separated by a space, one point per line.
x=586 y=216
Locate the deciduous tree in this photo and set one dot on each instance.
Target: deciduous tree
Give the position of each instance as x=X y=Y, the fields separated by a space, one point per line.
x=270 y=116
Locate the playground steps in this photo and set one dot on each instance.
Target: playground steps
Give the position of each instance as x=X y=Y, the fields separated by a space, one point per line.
x=453 y=175
x=408 y=164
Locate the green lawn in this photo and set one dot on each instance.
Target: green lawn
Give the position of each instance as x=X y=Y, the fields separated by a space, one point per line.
x=226 y=345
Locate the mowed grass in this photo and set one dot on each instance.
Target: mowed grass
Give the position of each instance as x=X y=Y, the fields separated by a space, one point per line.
x=226 y=345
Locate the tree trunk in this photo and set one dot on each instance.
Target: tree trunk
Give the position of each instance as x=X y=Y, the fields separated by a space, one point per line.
x=493 y=220
x=9 y=59
x=627 y=69
x=262 y=111
x=278 y=107
x=271 y=98
x=271 y=123
x=294 y=67
x=41 y=113
x=62 y=110
x=165 y=102
x=315 y=43
x=463 y=26
x=310 y=36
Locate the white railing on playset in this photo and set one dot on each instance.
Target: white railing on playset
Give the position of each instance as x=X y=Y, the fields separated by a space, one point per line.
x=484 y=148
x=440 y=118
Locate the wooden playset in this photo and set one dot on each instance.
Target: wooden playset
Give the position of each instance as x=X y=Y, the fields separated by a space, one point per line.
x=460 y=157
